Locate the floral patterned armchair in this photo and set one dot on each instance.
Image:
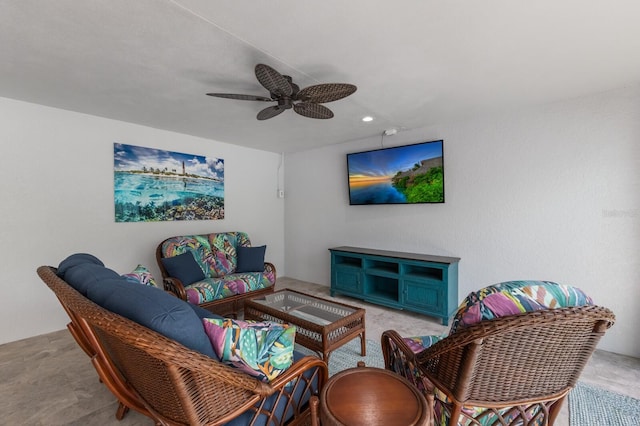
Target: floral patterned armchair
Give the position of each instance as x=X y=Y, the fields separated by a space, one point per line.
x=514 y=351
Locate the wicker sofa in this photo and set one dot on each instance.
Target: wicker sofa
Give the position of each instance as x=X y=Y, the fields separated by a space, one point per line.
x=228 y=270
x=163 y=370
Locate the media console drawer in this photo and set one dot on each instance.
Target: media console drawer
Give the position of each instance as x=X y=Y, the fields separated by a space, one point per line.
x=416 y=282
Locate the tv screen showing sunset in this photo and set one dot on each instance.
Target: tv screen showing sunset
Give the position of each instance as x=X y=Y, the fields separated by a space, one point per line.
x=408 y=174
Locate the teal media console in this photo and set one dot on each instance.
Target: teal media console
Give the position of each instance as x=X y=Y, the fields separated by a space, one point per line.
x=415 y=282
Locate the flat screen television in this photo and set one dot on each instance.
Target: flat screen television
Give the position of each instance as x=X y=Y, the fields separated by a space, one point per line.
x=408 y=174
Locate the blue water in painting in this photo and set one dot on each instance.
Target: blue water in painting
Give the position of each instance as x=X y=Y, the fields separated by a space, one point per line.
x=144 y=189
x=143 y=197
x=378 y=193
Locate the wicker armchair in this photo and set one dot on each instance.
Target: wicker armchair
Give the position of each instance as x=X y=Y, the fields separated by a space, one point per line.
x=515 y=369
x=174 y=385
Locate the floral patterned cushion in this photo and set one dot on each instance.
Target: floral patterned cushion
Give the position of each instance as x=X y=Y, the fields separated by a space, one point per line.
x=261 y=349
x=223 y=246
x=211 y=289
x=141 y=275
x=515 y=297
x=198 y=245
x=481 y=416
x=418 y=343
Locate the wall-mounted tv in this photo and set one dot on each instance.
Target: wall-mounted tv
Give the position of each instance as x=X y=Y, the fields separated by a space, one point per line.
x=408 y=174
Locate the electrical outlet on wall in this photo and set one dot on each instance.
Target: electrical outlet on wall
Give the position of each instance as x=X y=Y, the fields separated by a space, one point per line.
x=280 y=193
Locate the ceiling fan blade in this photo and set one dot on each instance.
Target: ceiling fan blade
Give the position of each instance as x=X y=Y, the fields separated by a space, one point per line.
x=273 y=81
x=270 y=112
x=240 y=97
x=312 y=110
x=329 y=92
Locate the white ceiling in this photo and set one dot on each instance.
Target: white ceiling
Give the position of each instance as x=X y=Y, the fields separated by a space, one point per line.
x=415 y=62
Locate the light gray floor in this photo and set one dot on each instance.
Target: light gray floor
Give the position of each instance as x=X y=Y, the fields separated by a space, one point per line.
x=48 y=380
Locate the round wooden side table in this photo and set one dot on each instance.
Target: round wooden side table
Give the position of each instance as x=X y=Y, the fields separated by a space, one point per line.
x=365 y=396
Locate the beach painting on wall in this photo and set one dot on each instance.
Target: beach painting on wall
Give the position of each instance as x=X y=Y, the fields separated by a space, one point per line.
x=152 y=185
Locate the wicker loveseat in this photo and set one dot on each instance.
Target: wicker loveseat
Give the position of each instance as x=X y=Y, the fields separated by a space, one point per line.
x=513 y=353
x=172 y=380
x=228 y=270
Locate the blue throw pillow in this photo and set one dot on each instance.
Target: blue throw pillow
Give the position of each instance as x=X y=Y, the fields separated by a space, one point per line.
x=250 y=259
x=183 y=267
x=85 y=275
x=154 y=309
x=77 y=259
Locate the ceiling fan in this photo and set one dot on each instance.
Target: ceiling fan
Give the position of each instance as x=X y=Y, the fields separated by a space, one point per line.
x=306 y=102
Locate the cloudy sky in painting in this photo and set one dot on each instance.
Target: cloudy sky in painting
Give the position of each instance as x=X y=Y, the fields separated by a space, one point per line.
x=130 y=158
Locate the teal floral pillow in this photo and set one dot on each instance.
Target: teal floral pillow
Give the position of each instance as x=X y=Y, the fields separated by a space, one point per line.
x=142 y=275
x=260 y=349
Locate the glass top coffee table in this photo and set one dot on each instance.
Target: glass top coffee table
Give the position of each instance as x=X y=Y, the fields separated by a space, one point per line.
x=321 y=325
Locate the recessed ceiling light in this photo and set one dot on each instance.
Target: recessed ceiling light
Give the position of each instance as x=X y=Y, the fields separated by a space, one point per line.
x=367 y=118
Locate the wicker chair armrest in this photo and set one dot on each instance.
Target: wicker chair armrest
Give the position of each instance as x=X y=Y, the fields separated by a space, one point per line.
x=173 y=353
x=265 y=389
x=392 y=336
x=270 y=267
x=394 y=351
x=300 y=367
x=296 y=370
x=175 y=286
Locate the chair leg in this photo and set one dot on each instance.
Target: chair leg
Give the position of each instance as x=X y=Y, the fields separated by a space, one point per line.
x=455 y=414
x=431 y=403
x=122 y=410
x=555 y=410
x=314 y=402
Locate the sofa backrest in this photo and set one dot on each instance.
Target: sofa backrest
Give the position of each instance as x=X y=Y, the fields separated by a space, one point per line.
x=215 y=253
x=146 y=305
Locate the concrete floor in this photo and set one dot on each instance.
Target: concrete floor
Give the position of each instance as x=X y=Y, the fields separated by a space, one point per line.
x=48 y=380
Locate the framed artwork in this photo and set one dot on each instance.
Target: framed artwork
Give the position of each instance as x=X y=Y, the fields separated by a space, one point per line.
x=152 y=185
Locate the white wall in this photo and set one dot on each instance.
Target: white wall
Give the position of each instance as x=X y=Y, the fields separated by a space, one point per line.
x=56 y=180
x=552 y=193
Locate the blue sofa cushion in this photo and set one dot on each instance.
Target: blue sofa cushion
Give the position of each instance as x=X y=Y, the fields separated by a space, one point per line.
x=250 y=259
x=154 y=309
x=77 y=259
x=84 y=275
x=202 y=313
x=183 y=267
